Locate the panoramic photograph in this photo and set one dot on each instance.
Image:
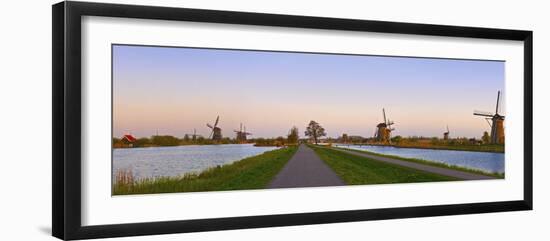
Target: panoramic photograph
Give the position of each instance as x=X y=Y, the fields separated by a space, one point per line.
x=202 y=119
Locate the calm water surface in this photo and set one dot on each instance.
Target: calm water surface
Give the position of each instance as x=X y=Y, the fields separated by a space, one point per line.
x=485 y=161
x=174 y=161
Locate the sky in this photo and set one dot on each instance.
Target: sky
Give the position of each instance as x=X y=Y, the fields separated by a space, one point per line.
x=172 y=90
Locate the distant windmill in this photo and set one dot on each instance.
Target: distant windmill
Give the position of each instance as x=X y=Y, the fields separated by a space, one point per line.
x=446 y=134
x=496 y=124
x=194 y=135
x=216 y=133
x=241 y=134
x=383 y=130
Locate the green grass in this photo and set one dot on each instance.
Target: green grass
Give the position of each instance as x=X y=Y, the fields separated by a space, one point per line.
x=250 y=173
x=431 y=163
x=355 y=170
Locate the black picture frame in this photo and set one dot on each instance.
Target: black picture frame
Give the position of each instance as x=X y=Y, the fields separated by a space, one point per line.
x=66 y=75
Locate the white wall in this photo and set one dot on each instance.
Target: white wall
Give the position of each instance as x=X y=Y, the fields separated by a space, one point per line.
x=25 y=107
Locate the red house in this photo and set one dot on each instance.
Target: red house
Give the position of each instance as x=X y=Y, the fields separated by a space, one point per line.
x=128 y=140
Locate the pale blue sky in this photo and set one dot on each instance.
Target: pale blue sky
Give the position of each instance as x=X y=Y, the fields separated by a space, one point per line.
x=174 y=90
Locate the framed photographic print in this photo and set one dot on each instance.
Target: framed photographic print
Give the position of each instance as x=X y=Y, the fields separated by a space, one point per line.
x=170 y=120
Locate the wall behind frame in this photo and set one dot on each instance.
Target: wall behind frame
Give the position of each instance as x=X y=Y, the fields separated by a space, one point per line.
x=25 y=104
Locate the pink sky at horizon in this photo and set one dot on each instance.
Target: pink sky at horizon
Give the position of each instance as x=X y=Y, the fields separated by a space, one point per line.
x=174 y=90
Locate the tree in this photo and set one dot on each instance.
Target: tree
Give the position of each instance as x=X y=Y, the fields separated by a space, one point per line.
x=165 y=140
x=225 y=140
x=292 y=137
x=345 y=138
x=280 y=141
x=260 y=142
x=116 y=140
x=117 y=143
x=142 y=142
x=315 y=131
x=396 y=139
x=186 y=138
x=486 y=138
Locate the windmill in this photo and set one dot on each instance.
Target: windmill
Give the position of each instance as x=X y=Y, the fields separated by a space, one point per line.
x=496 y=124
x=216 y=133
x=383 y=130
x=241 y=135
x=446 y=134
x=194 y=135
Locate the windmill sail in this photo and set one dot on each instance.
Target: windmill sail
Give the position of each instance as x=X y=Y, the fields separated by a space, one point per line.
x=216 y=133
x=241 y=134
x=498 y=99
x=483 y=113
x=495 y=121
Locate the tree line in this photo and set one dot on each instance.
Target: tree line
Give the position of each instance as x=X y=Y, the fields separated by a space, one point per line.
x=167 y=140
x=314 y=132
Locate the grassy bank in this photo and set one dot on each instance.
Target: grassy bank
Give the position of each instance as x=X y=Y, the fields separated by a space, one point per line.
x=355 y=169
x=250 y=173
x=431 y=163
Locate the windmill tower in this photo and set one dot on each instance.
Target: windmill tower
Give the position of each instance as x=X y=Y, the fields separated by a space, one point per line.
x=241 y=135
x=496 y=124
x=446 y=134
x=383 y=130
x=194 y=135
x=216 y=133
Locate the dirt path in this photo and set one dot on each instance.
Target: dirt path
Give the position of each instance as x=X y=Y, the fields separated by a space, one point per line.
x=305 y=169
x=422 y=167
